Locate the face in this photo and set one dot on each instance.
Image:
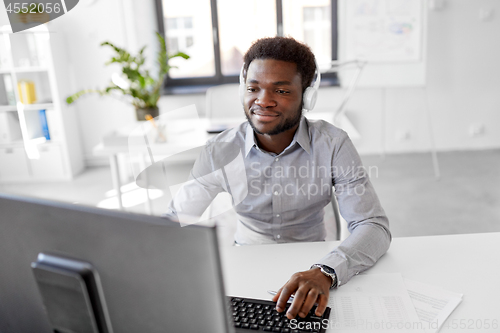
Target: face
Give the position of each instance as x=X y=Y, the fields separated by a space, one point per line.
x=273 y=96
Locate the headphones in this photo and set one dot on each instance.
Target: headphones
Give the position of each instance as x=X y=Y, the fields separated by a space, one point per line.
x=309 y=97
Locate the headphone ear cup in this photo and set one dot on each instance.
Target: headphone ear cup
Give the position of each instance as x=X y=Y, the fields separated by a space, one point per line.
x=309 y=98
x=242 y=86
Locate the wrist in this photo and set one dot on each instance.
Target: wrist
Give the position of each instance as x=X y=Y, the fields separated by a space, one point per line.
x=328 y=272
x=323 y=277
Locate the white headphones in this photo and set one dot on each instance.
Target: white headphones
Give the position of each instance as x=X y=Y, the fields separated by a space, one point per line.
x=309 y=97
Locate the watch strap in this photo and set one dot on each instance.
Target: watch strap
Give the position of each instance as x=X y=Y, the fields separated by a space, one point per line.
x=328 y=271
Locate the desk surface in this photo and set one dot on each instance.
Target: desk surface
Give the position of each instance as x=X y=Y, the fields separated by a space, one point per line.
x=466 y=264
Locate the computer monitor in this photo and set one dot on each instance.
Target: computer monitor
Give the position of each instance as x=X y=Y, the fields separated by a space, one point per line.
x=155 y=275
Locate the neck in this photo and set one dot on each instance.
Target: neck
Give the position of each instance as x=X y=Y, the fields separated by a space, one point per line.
x=276 y=143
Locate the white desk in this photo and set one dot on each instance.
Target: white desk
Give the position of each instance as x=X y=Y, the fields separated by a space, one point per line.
x=467 y=264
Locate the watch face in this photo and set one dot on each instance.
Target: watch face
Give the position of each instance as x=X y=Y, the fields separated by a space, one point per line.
x=328 y=269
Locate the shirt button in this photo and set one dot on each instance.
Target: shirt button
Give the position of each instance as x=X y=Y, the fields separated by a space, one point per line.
x=276 y=193
x=276 y=159
x=278 y=236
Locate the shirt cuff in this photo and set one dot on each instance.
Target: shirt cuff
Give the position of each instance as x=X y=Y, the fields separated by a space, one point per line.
x=339 y=264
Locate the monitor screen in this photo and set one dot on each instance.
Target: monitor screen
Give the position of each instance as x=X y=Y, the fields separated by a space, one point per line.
x=156 y=276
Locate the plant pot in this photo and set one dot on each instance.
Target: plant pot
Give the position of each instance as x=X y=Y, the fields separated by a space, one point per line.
x=142 y=112
x=32 y=18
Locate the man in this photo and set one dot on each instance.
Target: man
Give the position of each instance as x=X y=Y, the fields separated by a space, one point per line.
x=290 y=164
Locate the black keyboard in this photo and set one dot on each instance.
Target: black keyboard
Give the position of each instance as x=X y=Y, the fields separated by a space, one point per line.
x=260 y=315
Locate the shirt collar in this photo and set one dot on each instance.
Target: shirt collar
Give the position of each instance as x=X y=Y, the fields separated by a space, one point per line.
x=301 y=137
x=249 y=139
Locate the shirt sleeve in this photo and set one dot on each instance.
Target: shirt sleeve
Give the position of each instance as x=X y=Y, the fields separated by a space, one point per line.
x=360 y=207
x=193 y=196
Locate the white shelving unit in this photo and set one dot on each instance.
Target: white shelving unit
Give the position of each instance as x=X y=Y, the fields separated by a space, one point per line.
x=26 y=154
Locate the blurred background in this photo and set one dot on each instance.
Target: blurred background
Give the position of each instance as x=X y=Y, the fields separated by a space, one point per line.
x=415 y=83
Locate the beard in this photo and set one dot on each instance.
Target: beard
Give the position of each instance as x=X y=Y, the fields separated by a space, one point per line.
x=279 y=128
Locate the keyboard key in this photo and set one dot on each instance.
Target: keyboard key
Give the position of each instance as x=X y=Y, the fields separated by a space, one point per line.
x=262 y=315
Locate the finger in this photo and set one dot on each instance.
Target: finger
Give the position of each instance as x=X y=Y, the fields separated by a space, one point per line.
x=312 y=295
x=278 y=293
x=286 y=292
x=299 y=298
x=322 y=303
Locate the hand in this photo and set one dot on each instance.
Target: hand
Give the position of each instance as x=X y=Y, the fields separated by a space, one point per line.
x=309 y=287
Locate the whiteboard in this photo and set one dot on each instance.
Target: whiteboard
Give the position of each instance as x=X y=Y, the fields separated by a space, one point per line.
x=384 y=30
x=391 y=35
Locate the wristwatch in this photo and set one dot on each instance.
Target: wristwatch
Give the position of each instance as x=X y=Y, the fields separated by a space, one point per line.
x=328 y=271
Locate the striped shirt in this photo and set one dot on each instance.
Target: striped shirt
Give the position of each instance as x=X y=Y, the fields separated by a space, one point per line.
x=280 y=198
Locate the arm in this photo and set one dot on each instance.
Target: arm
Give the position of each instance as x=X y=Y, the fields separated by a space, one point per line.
x=367 y=222
x=195 y=194
x=369 y=240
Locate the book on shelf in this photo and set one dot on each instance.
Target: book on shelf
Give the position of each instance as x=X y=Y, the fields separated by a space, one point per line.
x=54 y=124
x=9 y=91
x=26 y=90
x=43 y=122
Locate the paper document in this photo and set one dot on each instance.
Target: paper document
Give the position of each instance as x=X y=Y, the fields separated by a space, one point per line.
x=375 y=303
x=433 y=304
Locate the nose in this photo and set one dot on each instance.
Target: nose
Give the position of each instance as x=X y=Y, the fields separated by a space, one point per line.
x=265 y=100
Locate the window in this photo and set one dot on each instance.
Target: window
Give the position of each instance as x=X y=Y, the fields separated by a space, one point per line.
x=217 y=33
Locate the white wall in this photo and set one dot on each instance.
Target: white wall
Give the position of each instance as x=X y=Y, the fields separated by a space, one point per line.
x=462 y=72
x=462 y=88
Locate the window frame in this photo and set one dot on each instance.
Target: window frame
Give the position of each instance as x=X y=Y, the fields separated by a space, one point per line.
x=200 y=84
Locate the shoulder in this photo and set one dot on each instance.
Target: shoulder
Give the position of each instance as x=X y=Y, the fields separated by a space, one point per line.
x=323 y=130
x=232 y=139
x=220 y=150
x=233 y=135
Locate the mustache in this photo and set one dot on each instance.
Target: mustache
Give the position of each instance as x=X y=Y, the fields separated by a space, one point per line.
x=257 y=109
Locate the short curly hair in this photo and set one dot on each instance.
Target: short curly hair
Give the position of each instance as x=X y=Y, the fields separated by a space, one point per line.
x=284 y=49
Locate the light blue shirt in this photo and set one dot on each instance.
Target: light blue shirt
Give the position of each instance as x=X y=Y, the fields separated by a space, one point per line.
x=280 y=198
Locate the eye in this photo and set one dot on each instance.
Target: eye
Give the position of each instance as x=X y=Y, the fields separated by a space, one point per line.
x=282 y=92
x=251 y=89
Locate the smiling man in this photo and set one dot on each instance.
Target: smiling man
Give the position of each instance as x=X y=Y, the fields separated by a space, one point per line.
x=290 y=166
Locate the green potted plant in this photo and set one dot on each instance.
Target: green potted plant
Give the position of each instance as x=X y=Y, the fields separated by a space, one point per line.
x=136 y=83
